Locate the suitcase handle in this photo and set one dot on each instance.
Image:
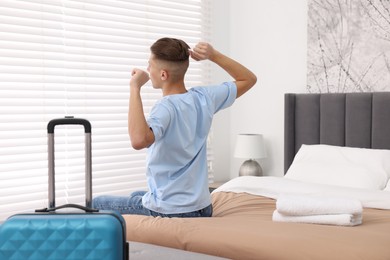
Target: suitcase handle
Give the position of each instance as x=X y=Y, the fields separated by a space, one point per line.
x=86 y=209
x=70 y=120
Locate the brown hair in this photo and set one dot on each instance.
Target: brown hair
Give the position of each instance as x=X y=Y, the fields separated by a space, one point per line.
x=170 y=49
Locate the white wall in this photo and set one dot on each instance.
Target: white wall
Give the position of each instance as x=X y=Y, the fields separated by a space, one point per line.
x=269 y=37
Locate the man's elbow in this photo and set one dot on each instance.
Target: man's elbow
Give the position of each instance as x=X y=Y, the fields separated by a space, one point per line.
x=252 y=80
x=137 y=145
x=249 y=82
x=141 y=141
x=245 y=85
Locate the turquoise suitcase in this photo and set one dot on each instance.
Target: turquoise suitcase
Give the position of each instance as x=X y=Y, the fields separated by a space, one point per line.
x=69 y=231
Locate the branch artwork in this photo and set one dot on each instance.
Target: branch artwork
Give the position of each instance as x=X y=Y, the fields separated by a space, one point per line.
x=348 y=46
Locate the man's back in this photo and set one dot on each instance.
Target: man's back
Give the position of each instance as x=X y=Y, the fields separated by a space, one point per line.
x=177 y=160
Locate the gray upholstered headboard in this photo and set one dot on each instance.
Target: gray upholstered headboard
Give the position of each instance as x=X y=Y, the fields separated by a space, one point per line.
x=344 y=119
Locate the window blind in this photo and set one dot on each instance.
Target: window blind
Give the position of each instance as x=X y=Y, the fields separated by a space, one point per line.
x=63 y=57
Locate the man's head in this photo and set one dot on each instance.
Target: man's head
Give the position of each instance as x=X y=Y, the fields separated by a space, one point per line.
x=169 y=60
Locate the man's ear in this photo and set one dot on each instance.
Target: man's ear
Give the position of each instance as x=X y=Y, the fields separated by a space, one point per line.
x=164 y=75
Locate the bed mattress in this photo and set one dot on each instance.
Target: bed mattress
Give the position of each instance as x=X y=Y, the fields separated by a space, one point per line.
x=242 y=228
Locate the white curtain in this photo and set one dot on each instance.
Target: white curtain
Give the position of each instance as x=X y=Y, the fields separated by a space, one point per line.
x=73 y=58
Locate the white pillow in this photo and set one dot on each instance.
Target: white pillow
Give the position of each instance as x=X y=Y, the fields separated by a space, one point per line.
x=341 y=166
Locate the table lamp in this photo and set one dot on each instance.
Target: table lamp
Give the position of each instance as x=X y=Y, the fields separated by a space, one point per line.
x=250 y=146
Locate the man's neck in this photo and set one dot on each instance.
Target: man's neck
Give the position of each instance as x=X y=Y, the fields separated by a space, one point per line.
x=172 y=89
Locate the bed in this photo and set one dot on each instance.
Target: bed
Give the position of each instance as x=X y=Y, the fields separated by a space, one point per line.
x=341 y=139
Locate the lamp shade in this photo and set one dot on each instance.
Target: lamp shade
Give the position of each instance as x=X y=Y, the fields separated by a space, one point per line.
x=250 y=146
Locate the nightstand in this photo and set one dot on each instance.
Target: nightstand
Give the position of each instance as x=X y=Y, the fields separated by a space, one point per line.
x=214 y=185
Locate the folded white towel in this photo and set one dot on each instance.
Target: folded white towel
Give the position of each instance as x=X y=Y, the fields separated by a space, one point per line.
x=304 y=205
x=332 y=219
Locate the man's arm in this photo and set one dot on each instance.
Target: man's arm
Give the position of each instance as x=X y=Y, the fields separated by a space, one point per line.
x=244 y=78
x=141 y=136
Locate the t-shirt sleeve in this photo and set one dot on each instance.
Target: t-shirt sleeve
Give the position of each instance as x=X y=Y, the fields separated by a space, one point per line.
x=158 y=120
x=223 y=95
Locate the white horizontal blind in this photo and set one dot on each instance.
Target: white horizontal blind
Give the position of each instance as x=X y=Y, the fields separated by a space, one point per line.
x=63 y=57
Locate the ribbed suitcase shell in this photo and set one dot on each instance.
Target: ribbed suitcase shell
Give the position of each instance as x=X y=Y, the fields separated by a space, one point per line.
x=63 y=236
x=50 y=234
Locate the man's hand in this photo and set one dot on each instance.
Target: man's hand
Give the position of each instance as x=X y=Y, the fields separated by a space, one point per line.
x=138 y=78
x=202 y=51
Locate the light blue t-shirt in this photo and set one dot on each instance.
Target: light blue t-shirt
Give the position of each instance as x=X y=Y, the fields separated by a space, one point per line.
x=177 y=160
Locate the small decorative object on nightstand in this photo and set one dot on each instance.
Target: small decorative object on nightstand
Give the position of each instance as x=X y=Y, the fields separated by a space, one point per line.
x=250 y=146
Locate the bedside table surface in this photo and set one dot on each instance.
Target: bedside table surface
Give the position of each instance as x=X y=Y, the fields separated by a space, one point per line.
x=215 y=185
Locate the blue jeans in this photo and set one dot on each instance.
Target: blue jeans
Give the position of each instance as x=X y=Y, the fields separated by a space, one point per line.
x=133 y=205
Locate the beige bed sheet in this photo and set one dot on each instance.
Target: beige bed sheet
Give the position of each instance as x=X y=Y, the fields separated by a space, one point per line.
x=242 y=228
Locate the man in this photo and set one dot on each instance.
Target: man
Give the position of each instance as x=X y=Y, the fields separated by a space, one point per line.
x=176 y=131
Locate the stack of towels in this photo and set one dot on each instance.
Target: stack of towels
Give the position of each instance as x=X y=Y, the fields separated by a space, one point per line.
x=318 y=210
